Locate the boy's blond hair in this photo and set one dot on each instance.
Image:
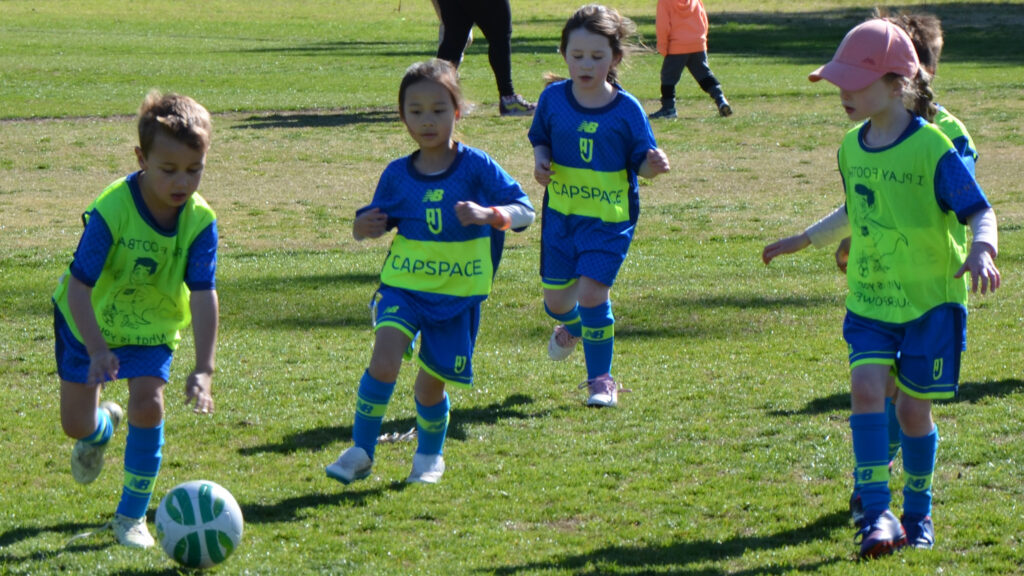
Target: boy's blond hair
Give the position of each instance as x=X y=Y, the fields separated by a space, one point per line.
x=180 y=117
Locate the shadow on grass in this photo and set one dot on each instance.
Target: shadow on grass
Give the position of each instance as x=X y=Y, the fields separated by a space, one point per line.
x=969 y=393
x=318 y=438
x=15 y=535
x=287 y=510
x=325 y=120
x=675 y=558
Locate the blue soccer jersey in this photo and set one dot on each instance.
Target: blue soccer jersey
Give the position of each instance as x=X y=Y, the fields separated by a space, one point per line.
x=593 y=196
x=443 y=266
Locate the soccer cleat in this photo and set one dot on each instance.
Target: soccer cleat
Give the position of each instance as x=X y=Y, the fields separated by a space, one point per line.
x=426 y=469
x=664 y=112
x=724 y=109
x=131 y=532
x=880 y=534
x=353 y=464
x=920 y=531
x=562 y=343
x=87 y=459
x=604 y=391
x=515 y=105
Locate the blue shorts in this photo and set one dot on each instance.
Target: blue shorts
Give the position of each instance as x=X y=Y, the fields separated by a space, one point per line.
x=572 y=246
x=135 y=361
x=446 y=348
x=925 y=353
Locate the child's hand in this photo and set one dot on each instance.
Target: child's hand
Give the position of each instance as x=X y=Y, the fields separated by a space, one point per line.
x=197 y=392
x=471 y=213
x=785 y=246
x=370 y=224
x=657 y=162
x=103 y=367
x=843 y=254
x=542 y=172
x=979 y=263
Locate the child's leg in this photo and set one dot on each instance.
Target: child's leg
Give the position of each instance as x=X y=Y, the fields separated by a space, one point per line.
x=920 y=444
x=895 y=430
x=80 y=416
x=377 y=385
x=598 y=326
x=671 y=71
x=869 y=426
x=432 y=414
x=142 y=454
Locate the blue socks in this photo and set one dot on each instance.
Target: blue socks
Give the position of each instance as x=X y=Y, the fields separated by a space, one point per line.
x=432 y=426
x=894 y=429
x=918 y=467
x=570 y=319
x=870 y=450
x=141 y=465
x=598 y=338
x=104 y=430
x=372 y=403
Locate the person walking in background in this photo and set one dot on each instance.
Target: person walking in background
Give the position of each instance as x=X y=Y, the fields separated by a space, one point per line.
x=908 y=197
x=591 y=139
x=494 y=17
x=682 y=28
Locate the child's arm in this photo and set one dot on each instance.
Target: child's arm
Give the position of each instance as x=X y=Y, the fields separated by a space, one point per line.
x=370 y=224
x=655 y=163
x=822 y=233
x=542 y=165
x=205 y=319
x=984 y=248
x=103 y=364
x=515 y=216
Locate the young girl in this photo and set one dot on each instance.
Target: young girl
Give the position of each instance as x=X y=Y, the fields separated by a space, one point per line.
x=590 y=141
x=925 y=31
x=451 y=204
x=144 y=268
x=908 y=195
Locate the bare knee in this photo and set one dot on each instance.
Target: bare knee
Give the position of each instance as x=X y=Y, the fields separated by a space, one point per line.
x=146 y=402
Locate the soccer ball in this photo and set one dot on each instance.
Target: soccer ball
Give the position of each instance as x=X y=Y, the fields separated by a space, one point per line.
x=199 y=524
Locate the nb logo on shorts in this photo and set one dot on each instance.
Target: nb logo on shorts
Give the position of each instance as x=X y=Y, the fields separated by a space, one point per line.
x=588 y=127
x=391 y=309
x=434 y=195
x=434 y=220
x=587 y=149
x=460 y=364
x=937 y=369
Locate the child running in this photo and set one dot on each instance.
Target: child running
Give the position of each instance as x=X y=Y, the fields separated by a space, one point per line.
x=925 y=31
x=144 y=268
x=591 y=139
x=908 y=197
x=451 y=205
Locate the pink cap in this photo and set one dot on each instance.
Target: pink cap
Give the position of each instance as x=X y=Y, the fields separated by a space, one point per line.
x=868 y=52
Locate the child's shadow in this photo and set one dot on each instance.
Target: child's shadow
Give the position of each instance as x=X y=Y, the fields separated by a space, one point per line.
x=317 y=438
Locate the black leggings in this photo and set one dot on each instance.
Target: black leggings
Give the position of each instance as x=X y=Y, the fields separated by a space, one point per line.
x=494 y=17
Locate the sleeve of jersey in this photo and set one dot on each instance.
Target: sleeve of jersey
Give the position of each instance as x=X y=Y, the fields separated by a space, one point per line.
x=201 y=271
x=379 y=196
x=93 y=249
x=502 y=189
x=956 y=189
x=539 y=134
x=967 y=154
x=643 y=139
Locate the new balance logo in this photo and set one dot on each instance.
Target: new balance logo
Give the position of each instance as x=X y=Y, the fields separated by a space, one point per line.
x=434 y=195
x=588 y=127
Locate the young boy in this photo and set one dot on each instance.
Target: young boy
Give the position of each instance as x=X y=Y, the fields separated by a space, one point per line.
x=143 y=269
x=682 y=27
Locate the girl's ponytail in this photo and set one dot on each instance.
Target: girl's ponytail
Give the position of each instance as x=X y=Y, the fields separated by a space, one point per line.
x=923 y=96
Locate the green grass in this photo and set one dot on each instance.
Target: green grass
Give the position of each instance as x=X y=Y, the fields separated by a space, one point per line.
x=731 y=455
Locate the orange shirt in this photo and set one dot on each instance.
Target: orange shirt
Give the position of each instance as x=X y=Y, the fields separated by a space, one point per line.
x=682 y=27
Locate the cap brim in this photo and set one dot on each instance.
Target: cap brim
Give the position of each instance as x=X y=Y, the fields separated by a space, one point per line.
x=844 y=76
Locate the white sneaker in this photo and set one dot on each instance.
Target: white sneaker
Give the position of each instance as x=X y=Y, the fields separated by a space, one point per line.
x=131 y=532
x=87 y=459
x=604 y=391
x=426 y=469
x=562 y=343
x=353 y=464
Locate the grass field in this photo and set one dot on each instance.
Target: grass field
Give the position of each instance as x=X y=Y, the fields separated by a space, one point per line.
x=732 y=454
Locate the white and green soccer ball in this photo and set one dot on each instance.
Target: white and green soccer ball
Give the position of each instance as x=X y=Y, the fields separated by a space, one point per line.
x=199 y=524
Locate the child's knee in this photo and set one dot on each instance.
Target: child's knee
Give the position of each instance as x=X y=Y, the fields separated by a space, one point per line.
x=384 y=369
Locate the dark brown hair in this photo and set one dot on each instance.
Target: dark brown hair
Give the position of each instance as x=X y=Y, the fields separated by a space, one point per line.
x=607 y=22
x=180 y=117
x=433 y=70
